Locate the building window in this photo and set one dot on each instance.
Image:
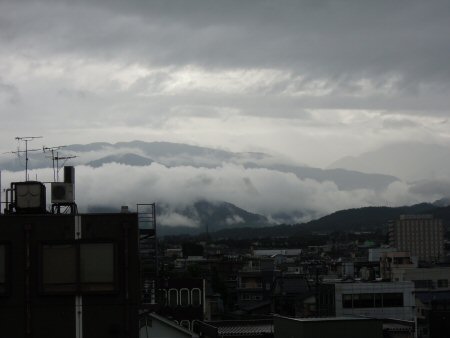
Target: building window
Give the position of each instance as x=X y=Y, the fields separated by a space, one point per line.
x=363 y=300
x=423 y=284
x=184 y=297
x=347 y=301
x=378 y=300
x=196 y=297
x=173 y=297
x=59 y=268
x=97 y=266
x=161 y=297
x=74 y=267
x=370 y=300
x=392 y=299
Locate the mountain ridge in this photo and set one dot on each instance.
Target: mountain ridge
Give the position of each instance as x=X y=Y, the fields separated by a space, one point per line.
x=141 y=153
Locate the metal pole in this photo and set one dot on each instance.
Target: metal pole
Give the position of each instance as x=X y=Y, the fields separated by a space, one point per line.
x=57 y=167
x=53 y=160
x=26 y=160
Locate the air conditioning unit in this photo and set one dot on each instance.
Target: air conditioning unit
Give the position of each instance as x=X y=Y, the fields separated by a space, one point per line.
x=29 y=197
x=62 y=192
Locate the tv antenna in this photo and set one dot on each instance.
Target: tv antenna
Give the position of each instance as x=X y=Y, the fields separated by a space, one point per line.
x=65 y=159
x=25 y=139
x=56 y=158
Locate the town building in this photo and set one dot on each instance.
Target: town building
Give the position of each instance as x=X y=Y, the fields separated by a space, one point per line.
x=420 y=235
x=375 y=299
x=66 y=274
x=432 y=293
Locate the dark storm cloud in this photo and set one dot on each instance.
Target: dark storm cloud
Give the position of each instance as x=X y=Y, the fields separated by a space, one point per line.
x=341 y=40
x=250 y=74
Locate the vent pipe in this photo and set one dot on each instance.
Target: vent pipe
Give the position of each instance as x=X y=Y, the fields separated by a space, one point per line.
x=69 y=174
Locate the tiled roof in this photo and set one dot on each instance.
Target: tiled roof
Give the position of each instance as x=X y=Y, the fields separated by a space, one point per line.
x=246 y=330
x=236 y=328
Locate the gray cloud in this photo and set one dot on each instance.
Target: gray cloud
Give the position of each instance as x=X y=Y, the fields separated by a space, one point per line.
x=337 y=40
x=9 y=93
x=398 y=123
x=437 y=187
x=207 y=71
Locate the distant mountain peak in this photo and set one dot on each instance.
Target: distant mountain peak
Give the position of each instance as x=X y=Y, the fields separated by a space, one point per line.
x=128 y=159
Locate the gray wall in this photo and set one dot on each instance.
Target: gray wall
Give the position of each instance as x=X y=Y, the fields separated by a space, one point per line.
x=293 y=328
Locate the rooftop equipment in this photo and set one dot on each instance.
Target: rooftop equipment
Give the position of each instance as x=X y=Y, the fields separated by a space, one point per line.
x=29 y=197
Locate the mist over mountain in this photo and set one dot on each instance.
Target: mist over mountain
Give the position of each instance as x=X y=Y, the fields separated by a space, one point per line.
x=204 y=216
x=199 y=217
x=410 y=161
x=179 y=176
x=368 y=219
x=139 y=153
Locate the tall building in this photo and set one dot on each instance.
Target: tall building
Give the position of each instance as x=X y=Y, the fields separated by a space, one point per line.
x=66 y=274
x=421 y=235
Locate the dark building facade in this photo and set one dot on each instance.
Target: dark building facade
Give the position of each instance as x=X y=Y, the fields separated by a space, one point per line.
x=73 y=276
x=182 y=300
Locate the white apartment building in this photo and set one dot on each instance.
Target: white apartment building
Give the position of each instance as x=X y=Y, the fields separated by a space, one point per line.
x=375 y=299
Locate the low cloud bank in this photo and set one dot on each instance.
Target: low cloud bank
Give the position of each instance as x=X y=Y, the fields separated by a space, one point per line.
x=262 y=191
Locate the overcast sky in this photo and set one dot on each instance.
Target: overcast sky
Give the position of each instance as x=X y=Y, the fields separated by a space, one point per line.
x=314 y=80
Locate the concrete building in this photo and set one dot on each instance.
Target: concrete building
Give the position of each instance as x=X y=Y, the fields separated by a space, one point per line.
x=424 y=279
x=391 y=261
x=375 y=299
x=66 y=274
x=375 y=254
x=432 y=293
x=181 y=300
x=421 y=235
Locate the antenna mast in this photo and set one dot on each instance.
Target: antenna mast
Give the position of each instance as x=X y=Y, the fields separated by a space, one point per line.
x=54 y=158
x=25 y=139
x=57 y=158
